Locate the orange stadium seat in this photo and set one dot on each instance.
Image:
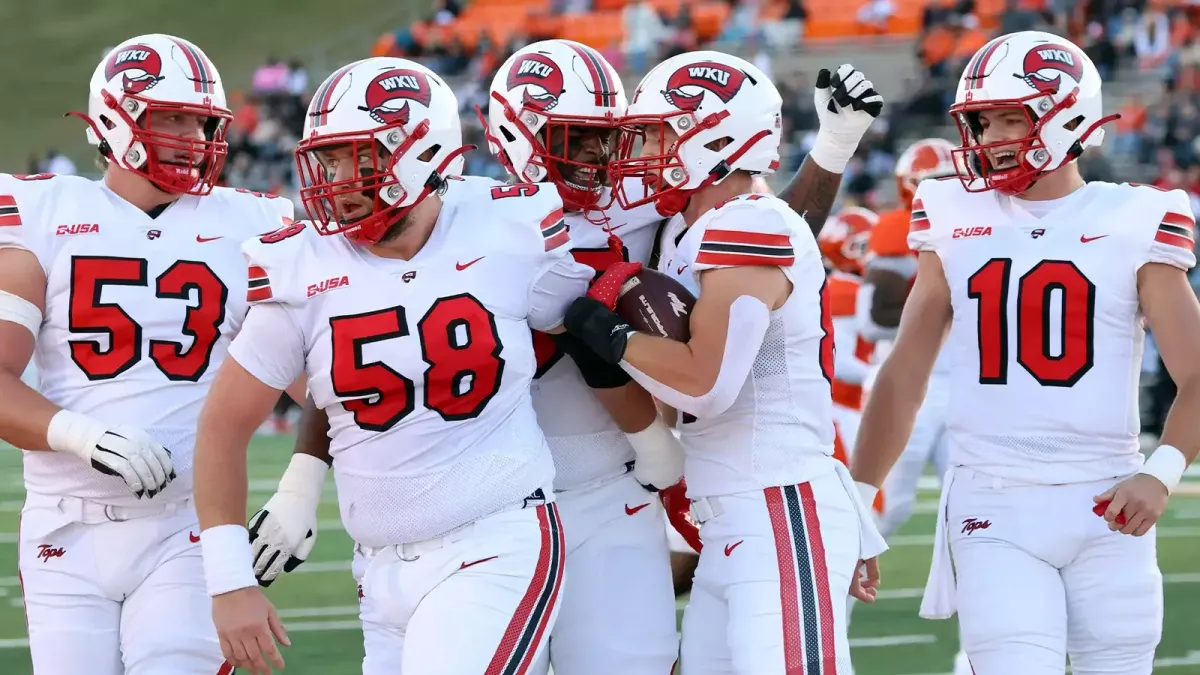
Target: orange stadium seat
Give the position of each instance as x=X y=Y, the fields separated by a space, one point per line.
x=598 y=30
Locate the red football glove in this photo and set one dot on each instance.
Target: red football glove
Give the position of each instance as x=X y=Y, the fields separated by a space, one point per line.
x=679 y=514
x=608 y=286
x=1100 y=508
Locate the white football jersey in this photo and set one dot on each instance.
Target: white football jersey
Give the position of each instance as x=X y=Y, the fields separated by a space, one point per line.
x=586 y=443
x=423 y=366
x=139 y=311
x=1046 y=340
x=779 y=430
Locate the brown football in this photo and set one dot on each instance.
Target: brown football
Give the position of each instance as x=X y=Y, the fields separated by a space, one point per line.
x=654 y=303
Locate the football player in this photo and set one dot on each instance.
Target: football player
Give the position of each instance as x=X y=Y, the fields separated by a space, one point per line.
x=127 y=292
x=781 y=521
x=1041 y=283
x=843 y=246
x=412 y=317
x=552 y=118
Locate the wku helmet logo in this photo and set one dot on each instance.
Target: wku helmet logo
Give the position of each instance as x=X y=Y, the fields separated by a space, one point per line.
x=542 y=79
x=141 y=61
x=719 y=79
x=1051 y=58
x=388 y=95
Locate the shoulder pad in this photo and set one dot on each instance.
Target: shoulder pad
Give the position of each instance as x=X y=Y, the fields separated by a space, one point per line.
x=923 y=231
x=533 y=209
x=274 y=210
x=24 y=200
x=273 y=260
x=749 y=230
x=1169 y=230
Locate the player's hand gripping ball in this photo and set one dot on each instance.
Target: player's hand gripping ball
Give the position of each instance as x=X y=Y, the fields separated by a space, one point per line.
x=628 y=298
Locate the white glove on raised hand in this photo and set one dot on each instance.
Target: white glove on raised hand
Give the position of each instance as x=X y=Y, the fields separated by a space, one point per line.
x=847 y=104
x=659 y=456
x=284 y=531
x=126 y=452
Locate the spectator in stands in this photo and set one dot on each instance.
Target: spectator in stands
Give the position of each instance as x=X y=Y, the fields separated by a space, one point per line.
x=1152 y=40
x=297 y=80
x=270 y=77
x=643 y=28
x=1100 y=50
x=1018 y=18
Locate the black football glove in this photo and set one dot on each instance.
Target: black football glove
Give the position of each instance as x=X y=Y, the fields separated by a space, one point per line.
x=597 y=373
x=599 y=328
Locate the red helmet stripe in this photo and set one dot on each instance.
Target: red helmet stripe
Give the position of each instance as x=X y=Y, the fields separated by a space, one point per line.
x=324 y=96
x=601 y=84
x=200 y=77
x=977 y=68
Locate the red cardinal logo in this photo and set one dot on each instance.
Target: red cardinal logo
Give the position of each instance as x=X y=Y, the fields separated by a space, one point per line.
x=718 y=78
x=1051 y=58
x=388 y=95
x=140 y=64
x=542 y=79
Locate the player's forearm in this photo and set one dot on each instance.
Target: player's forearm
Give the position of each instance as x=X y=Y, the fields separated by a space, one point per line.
x=24 y=414
x=886 y=424
x=1180 y=429
x=630 y=406
x=220 y=471
x=811 y=193
x=313 y=436
x=673 y=364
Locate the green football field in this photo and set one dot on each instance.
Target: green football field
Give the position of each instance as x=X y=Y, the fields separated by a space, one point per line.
x=318 y=602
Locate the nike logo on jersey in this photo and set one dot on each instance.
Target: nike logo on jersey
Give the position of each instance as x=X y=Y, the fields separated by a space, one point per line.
x=1084 y=240
x=681 y=269
x=205 y=240
x=462 y=266
x=193 y=537
x=472 y=564
x=729 y=547
x=630 y=510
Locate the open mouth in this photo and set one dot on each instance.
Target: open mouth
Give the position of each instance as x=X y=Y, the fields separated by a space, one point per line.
x=350 y=211
x=584 y=178
x=1003 y=159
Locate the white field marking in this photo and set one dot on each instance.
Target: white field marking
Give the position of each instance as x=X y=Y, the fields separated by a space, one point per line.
x=313 y=612
x=893 y=640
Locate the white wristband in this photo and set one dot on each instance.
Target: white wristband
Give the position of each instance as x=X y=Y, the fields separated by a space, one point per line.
x=866 y=492
x=830 y=153
x=655 y=441
x=305 y=476
x=1167 y=464
x=73 y=433
x=228 y=563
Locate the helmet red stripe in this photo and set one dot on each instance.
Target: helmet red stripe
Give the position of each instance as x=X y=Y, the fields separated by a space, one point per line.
x=324 y=97
x=600 y=83
x=199 y=79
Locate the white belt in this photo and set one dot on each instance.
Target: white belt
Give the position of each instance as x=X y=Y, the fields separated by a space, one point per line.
x=89 y=512
x=871 y=544
x=941 y=589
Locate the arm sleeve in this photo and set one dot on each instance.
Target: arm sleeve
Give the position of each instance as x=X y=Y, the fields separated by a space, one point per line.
x=554 y=290
x=1174 y=241
x=270 y=346
x=744 y=233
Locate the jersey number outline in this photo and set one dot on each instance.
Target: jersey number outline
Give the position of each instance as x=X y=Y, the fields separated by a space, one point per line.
x=87 y=314
x=459 y=341
x=515 y=190
x=990 y=287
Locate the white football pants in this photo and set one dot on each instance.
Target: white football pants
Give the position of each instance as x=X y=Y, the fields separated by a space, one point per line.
x=1039 y=577
x=116 y=590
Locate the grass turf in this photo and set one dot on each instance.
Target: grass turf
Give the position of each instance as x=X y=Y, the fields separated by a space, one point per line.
x=318 y=603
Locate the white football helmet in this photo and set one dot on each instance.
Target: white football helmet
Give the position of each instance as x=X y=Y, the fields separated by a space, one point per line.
x=927 y=158
x=705 y=98
x=539 y=96
x=398 y=113
x=158 y=73
x=1056 y=86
